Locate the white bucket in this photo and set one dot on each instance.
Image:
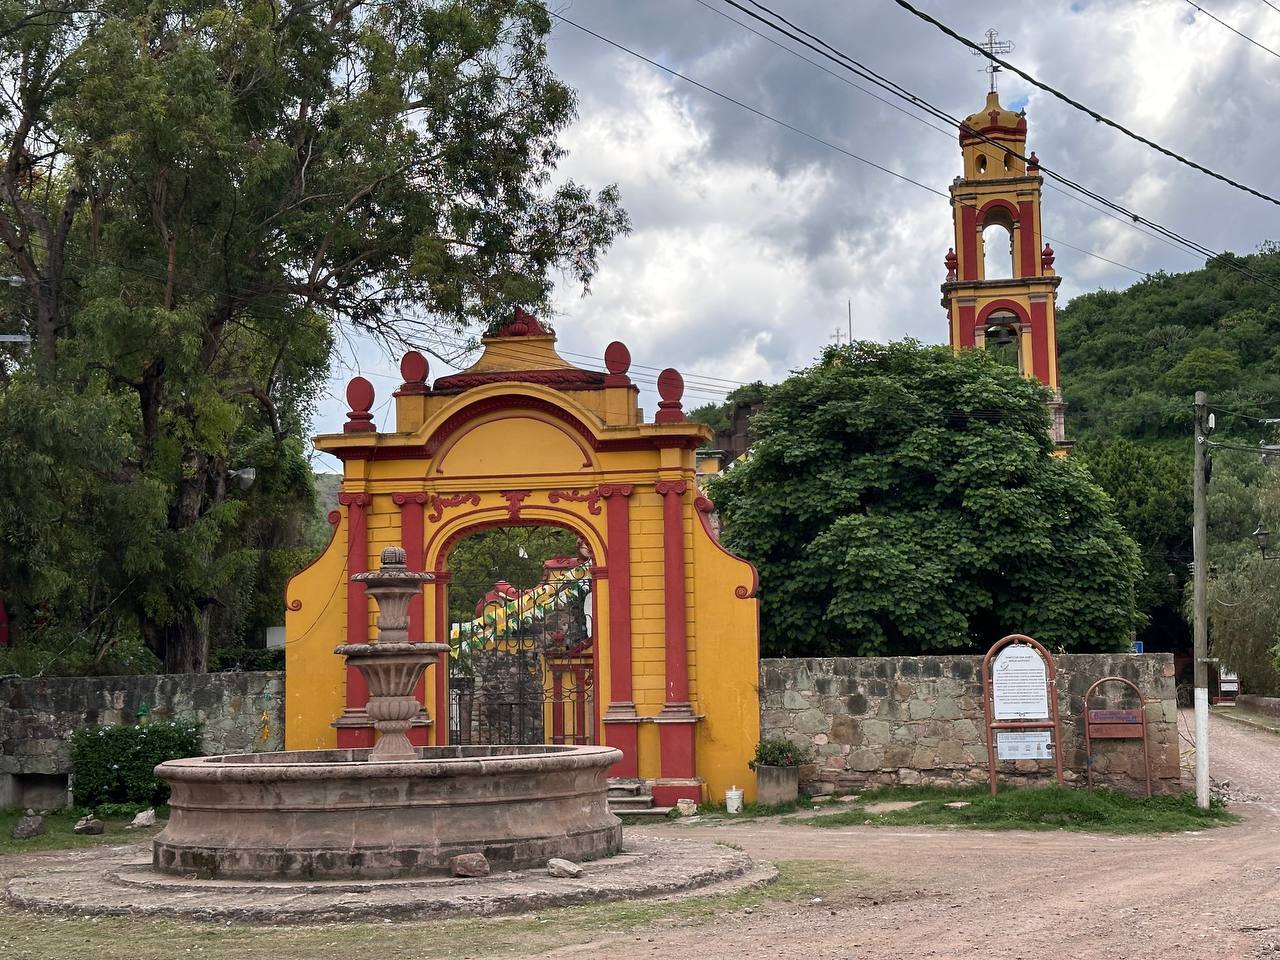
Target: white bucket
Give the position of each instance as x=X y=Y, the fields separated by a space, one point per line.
x=733 y=800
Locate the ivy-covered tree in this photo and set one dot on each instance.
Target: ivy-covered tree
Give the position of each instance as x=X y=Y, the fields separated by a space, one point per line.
x=194 y=198
x=900 y=499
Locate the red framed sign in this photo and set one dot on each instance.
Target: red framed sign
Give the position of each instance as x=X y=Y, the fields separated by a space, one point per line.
x=1116 y=725
x=1020 y=698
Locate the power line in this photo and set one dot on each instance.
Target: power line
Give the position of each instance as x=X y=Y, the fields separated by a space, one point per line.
x=1271 y=5
x=1084 y=109
x=847 y=62
x=1243 y=36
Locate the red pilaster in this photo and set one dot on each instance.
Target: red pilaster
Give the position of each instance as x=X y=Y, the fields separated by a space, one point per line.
x=411 y=538
x=354 y=728
x=968 y=242
x=676 y=721
x=1029 y=252
x=968 y=322
x=620 y=718
x=1040 y=340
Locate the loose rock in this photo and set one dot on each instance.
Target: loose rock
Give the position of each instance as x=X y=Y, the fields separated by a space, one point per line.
x=31 y=825
x=957 y=804
x=147 y=818
x=89 y=826
x=469 y=865
x=563 y=869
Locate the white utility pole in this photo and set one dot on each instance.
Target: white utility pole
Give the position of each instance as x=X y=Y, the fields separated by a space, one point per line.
x=1200 y=581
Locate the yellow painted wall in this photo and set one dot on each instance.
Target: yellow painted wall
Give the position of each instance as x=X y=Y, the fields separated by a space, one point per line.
x=531 y=450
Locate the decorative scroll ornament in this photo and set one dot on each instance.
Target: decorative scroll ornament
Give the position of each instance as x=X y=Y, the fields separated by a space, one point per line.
x=515 y=502
x=591 y=498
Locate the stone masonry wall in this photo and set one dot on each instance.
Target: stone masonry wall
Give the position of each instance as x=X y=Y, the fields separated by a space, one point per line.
x=912 y=720
x=240 y=712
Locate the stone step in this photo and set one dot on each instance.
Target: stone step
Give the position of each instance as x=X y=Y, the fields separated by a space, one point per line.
x=648 y=813
x=619 y=804
x=625 y=788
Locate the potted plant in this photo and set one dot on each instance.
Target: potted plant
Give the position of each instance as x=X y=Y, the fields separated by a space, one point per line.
x=777 y=765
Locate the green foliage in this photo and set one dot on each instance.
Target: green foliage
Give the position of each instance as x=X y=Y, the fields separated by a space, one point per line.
x=205 y=196
x=513 y=554
x=116 y=764
x=900 y=500
x=719 y=416
x=776 y=752
x=237 y=658
x=1034 y=808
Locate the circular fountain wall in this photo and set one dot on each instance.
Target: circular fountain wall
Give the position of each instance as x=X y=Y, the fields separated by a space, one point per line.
x=329 y=814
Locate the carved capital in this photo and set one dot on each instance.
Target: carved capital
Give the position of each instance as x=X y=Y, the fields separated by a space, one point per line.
x=400 y=499
x=623 y=490
x=668 y=487
x=355 y=499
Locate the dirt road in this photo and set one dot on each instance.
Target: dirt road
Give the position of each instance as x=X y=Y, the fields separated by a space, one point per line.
x=1016 y=895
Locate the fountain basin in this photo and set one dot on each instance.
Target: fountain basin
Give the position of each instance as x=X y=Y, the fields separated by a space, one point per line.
x=335 y=814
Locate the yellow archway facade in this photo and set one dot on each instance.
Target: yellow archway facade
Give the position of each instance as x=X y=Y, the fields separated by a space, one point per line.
x=524 y=438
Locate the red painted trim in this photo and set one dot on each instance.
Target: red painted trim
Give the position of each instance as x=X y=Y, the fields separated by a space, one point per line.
x=969 y=242
x=967 y=326
x=1028 y=245
x=557 y=378
x=440 y=709
x=623 y=444
x=591 y=498
x=1013 y=306
x=352 y=738
x=357 y=602
x=500 y=517
x=618 y=531
x=677 y=741
x=703 y=507
x=1040 y=341
x=677 y=652
x=441 y=503
x=667 y=794
x=624 y=736
x=998 y=203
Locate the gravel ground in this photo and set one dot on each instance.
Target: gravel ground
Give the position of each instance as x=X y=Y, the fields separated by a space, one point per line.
x=967 y=894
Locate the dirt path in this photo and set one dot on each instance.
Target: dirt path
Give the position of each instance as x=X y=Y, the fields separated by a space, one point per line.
x=1015 y=895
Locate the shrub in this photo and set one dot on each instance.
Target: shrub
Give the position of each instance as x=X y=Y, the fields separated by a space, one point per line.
x=116 y=764
x=776 y=752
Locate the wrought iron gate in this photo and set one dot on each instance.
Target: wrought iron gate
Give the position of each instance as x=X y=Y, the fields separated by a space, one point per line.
x=522 y=671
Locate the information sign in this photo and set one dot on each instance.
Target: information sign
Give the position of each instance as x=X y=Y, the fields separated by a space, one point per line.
x=1228 y=681
x=1024 y=745
x=1020 y=684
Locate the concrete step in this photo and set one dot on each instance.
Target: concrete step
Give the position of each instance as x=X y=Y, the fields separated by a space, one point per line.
x=625 y=788
x=629 y=804
x=648 y=813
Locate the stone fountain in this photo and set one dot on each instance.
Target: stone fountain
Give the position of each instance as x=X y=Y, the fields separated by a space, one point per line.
x=392 y=666
x=394 y=810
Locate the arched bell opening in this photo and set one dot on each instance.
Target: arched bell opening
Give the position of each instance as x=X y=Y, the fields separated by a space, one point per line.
x=998 y=232
x=1003 y=336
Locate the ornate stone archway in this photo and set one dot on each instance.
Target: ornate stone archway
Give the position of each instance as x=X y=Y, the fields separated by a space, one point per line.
x=525 y=437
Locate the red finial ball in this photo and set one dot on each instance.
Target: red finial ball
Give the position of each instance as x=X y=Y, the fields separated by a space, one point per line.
x=360 y=398
x=617 y=358
x=671 y=389
x=413 y=367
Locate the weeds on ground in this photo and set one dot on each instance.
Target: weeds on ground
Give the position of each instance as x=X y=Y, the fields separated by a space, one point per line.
x=39 y=937
x=58 y=829
x=1030 y=808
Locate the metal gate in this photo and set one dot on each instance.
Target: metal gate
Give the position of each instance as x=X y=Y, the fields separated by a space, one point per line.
x=522 y=671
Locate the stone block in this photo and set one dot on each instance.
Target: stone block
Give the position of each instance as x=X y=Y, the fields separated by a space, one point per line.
x=812 y=721
x=924 y=758
x=469 y=865
x=876 y=732
x=952 y=753
x=946 y=709
x=846 y=730
x=863 y=760
x=919 y=710
x=908 y=777
x=792 y=700
x=27 y=827
x=965 y=730
x=562 y=869
x=898 y=755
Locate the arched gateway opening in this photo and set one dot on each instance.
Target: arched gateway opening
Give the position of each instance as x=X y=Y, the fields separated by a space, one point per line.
x=641 y=634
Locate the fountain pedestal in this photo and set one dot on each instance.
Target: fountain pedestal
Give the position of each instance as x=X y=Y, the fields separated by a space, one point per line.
x=391 y=666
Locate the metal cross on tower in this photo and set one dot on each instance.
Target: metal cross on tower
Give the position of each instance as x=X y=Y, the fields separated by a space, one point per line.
x=990 y=49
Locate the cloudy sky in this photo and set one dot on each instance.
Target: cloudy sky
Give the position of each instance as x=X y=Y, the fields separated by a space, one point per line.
x=750 y=239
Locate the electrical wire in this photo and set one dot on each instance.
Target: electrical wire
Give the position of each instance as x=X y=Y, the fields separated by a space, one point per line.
x=1094 y=114
x=847 y=62
x=1243 y=36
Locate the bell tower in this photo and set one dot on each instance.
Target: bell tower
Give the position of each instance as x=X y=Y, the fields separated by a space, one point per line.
x=1001 y=289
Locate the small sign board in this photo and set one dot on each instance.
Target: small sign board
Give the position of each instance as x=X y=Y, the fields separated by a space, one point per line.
x=1228 y=681
x=1024 y=745
x=1020 y=684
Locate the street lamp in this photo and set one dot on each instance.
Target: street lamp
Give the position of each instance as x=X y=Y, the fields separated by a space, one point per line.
x=1263 y=536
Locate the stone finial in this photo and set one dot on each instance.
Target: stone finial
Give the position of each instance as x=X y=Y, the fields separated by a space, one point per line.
x=360 y=398
x=523 y=324
x=394 y=557
x=1046 y=258
x=952 y=263
x=414 y=370
x=670 y=389
x=1033 y=163
x=617 y=360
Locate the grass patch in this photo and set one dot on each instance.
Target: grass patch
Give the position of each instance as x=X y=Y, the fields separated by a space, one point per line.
x=36 y=937
x=1032 y=808
x=58 y=833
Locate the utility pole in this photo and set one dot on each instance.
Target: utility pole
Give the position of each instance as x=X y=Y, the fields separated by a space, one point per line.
x=1200 y=581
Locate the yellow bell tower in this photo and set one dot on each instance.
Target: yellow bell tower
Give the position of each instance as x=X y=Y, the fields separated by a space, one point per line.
x=1001 y=287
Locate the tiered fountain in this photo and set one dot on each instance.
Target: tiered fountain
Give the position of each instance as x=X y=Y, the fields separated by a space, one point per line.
x=393 y=810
